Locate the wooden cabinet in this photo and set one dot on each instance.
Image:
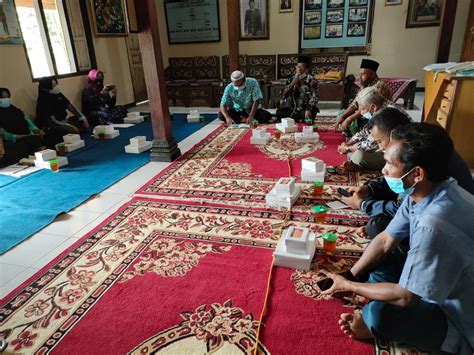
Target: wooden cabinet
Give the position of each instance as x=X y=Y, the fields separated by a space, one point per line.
x=449 y=102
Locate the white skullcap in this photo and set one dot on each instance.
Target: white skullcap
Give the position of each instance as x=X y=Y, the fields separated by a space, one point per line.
x=236 y=75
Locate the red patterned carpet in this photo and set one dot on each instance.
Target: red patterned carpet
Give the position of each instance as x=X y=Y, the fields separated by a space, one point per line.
x=186 y=270
x=176 y=277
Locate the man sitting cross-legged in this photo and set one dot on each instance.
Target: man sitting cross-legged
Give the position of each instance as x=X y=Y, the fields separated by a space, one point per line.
x=425 y=300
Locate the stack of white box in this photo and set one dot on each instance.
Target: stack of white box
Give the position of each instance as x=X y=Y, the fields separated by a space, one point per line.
x=71 y=142
x=260 y=136
x=108 y=130
x=193 y=116
x=307 y=136
x=44 y=157
x=138 y=145
x=133 y=117
x=296 y=248
x=284 y=193
x=287 y=125
x=313 y=169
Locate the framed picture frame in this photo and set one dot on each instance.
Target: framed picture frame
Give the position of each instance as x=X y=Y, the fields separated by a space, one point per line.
x=424 y=14
x=192 y=21
x=393 y=2
x=286 y=6
x=10 y=31
x=253 y=15
x=108 y=18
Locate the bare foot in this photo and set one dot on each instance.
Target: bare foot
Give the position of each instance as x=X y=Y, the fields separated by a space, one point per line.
x=353 y=326
x=361 y=231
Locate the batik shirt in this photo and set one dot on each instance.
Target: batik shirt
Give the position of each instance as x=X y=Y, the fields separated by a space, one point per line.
x=440 y=264
x=305 y=95
x=242 y=100
x=364 y=140
x=382 y=88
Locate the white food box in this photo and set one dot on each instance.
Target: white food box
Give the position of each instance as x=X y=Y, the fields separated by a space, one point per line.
x=285 y=258
x=307 y=129
x=313 y=164
x=276 y=199
x=109 y=133
x=137 y=149
x=287 y=122
x=71 y=138
x=306 y=138
x=285 y=185
x=108 y=129
x=296 y=239
x=285 y=129
x=261 y=140
x=62 y=161
x=193 y=113
x=45 y=155
x=308 y=175
x=135 y=141
x=133 y=119
x=259 y=133
x=70 y=147
x=133 y=114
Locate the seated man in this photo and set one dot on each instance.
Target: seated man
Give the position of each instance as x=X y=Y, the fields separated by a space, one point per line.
x=425 y=300
x=19 y=137
x=376 y=199
x=300 y=96
x=241 y=102
x=362 y=151
x=368 y=77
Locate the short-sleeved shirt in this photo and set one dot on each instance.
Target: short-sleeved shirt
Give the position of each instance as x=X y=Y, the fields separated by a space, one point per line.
x=440 y=264
x=242 y=100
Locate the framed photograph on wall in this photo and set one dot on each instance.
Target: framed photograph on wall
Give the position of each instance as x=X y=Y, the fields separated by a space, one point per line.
x=358 y=14
x=424 y=13
x=393 y=2
x=312 y=5
x=192 y=21
x=312 y=17
x=253 y=19
x=356 y=30
x=333 y=31
x=312 y=32
x=108 y=18
x=10 y=32
x=286 y=6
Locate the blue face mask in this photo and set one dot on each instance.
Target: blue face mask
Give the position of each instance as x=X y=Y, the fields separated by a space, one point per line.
x=5 y=103
x=397 y=185
x=368 y=115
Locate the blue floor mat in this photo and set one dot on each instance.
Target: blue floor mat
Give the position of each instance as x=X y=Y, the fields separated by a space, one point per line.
x=30 y=203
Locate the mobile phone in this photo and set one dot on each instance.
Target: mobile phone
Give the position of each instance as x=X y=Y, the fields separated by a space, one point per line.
x=109 y=87
x=325 y=284
x=331 y=169
x=344 y=192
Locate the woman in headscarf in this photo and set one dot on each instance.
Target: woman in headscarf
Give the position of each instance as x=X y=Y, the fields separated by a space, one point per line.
x=98 y=101
x=19 y=136
x=52 y=111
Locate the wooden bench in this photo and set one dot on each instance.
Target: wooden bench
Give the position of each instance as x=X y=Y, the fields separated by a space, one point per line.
x=190 y=79
x=321 y=65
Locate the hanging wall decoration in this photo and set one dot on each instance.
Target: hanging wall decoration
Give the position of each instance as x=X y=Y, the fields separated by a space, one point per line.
x=334 y=23
x=10 y=32
x=253 y=17
x=424 y=13
x=108 y=18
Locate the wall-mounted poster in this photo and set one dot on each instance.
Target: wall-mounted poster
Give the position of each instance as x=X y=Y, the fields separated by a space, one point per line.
x=108 y=18
x=192 y=21
x=341 y=23
x=253 y=19
x=9 y=27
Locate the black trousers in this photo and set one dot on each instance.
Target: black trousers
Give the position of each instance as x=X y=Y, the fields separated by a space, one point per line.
x=298 y=116
x=376 y=225
x=14 y=151
x=262 y=116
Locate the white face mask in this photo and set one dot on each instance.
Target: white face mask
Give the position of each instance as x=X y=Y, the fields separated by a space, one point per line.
x=56 y=90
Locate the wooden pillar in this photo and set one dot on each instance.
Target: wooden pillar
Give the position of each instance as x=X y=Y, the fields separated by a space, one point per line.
x=164 y=146
x=448 y=15
x=233 y=28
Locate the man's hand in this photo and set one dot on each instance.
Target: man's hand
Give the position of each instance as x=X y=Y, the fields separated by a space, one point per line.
x=345 y=125
x=85 y=123
x=307 y=114
x=295 y=82
x=342 y=149
x=229 y=121
x=362 y=192
x=340 y=283
x=352 y=201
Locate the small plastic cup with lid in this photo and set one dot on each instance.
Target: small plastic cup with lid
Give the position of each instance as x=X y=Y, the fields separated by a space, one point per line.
x=254 y=124
x=62 y=148
x=277 y=134
x=329 y=242
x=320 y=213
x=54 y=165
x=318 y=188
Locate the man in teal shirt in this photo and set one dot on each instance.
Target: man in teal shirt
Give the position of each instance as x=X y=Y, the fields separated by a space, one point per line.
x=242 y=101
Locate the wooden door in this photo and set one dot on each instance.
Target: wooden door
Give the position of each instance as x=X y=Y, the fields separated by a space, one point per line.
x=467 y=53
x=136 y=67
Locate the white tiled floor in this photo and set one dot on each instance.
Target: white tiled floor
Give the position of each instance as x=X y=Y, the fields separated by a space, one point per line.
x=24 y=260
